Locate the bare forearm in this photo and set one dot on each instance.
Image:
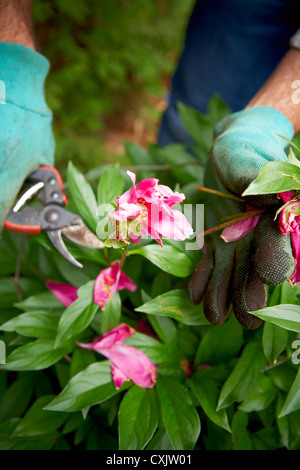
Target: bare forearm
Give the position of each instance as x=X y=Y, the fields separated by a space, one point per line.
x=277 y=92
x=16 y=22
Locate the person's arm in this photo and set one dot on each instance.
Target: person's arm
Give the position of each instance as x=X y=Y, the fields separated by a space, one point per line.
x=26 y=137
x=277 y=91
x=16 y=24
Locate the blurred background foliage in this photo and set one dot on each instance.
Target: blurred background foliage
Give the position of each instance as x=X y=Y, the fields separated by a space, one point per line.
x=111 y=66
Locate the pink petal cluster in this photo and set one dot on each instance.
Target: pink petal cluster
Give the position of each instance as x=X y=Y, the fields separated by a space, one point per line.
x=289 y=222
x=149 y=205
x=129 y=363
x=240 y=229
x=107 y=282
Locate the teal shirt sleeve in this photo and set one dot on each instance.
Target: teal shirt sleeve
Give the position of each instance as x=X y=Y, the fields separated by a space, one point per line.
x=26 y=137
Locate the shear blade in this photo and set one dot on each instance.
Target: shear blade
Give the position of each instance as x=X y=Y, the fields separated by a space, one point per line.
x=81 y=235
x=56 y=239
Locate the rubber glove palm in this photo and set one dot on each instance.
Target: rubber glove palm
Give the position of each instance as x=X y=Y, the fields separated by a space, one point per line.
x=237 y=272
x=26 y=139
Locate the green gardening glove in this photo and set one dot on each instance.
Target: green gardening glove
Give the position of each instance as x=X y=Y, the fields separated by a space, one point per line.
x=26 y=139
x=236 y=273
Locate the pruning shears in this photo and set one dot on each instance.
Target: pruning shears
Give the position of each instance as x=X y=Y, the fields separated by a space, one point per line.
x=52 y=218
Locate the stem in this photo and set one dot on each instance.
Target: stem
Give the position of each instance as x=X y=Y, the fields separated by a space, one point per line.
x=18 y=268
x=123 y=259
x=219 y=193
x=243 y=216
x=105 y=250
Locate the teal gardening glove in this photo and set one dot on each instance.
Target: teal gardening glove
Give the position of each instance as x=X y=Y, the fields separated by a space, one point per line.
x=237 y=272
x=26 y=139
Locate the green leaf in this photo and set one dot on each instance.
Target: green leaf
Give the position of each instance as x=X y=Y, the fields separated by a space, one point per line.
x=8 y=293
x=38 y=302
x=78 y=315
x=274 y=341
x=292 y=402
x=164 y=327
x=285 y=315
x=37 y=355
x=243 y=379
x=89 y=387
x=261 y=397
x=180 y=417
x=138 y=418
x=184 y=167
x=275 y=177
x=221 y=343
x=82 y=195
x=138 y=156
x=110 y=184
x=37 y=323
x=292 y=158
x=207 y=395
x=81 y=359
x=240 y=435
x=197 y=125
x=111 y=315
x=175 y=304
x=289 y=294
x=17 y=397
x=154 y=349
x=168 y=258
x=37 y=421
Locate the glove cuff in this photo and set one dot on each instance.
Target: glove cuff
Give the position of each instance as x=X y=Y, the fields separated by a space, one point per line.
x=264 y=118
x=23 y=72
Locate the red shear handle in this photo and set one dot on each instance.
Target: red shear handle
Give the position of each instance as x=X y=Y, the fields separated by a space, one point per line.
x=26 y=222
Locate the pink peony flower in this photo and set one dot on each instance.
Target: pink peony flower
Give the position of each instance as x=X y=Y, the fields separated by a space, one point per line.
x=289 y=222
x=129 y=363
x=149 y=204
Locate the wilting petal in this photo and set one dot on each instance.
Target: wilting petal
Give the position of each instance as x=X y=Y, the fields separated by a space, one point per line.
x=118 y=377
x=295 y=239
x=129 y=362
x=65 y=293
x=286 y=196
x=108 y=340
x=126 y=283
x=106 y=284
x=134 y=364
x=239 y=229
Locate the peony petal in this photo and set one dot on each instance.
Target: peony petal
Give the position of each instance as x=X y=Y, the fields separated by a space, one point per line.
x=133 y=363
x=118 y=377
x=65 y=293
x=106 y=284
x=286 y=196
x=130 y=363
x=170 y=198
x=126 y=283
x=108 y=340
x=240 y=229
x=168 y=223
x=295 y=240
x=126 y=211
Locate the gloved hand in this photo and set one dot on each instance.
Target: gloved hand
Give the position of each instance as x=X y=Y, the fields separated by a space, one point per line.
x=237 y=272
x=26 y=139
